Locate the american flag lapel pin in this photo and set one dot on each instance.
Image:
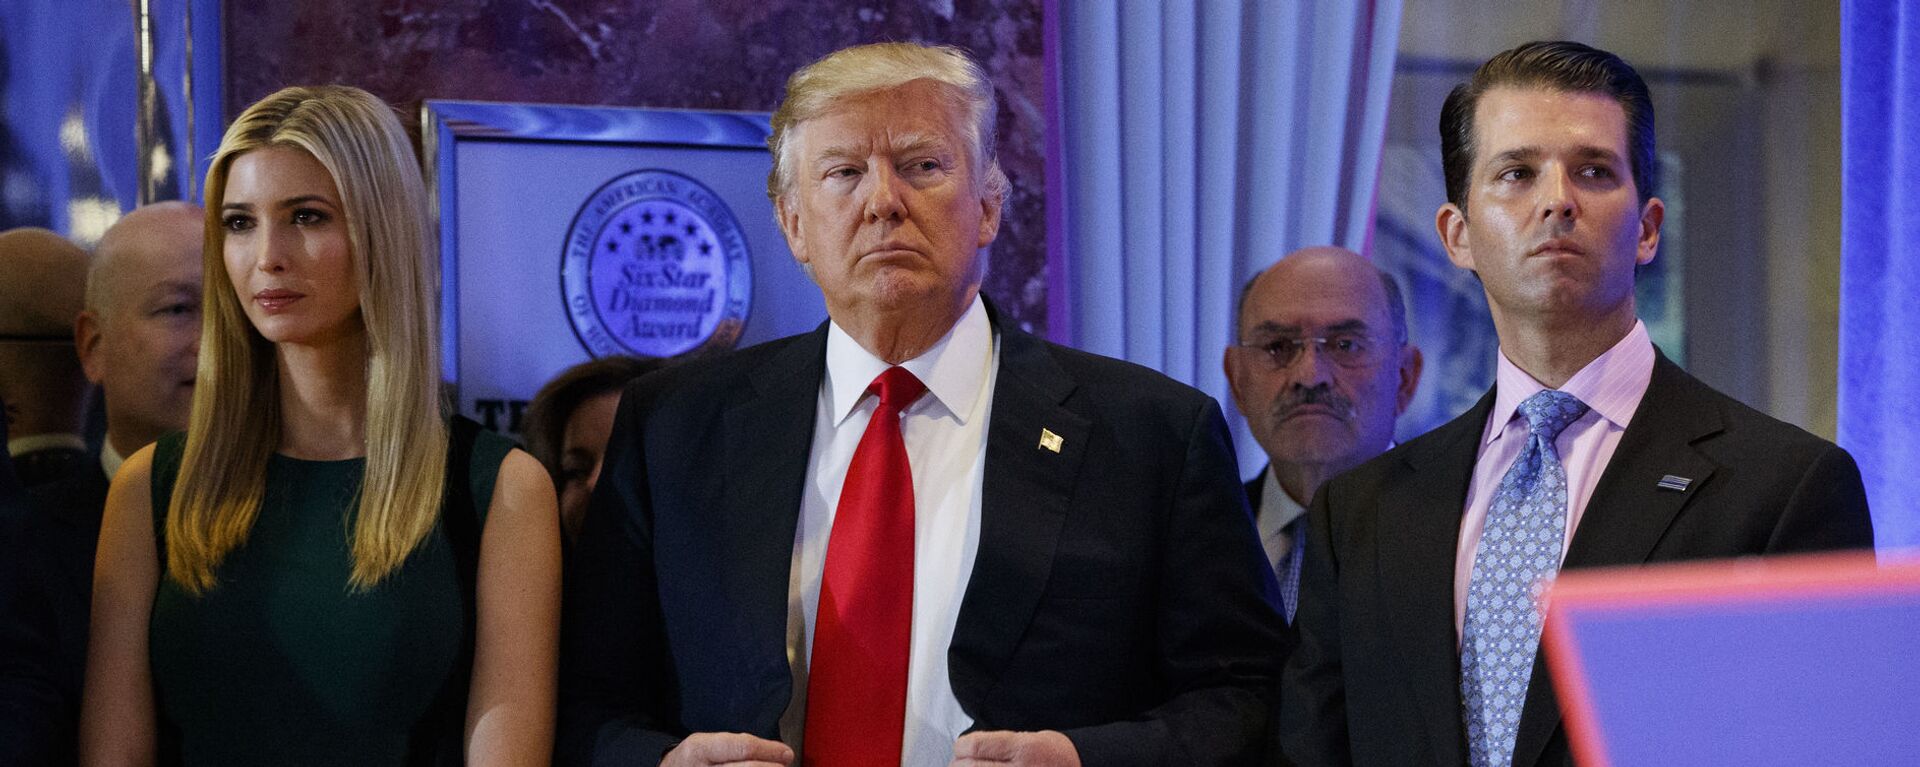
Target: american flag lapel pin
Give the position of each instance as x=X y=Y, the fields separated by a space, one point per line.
x=1050 y=440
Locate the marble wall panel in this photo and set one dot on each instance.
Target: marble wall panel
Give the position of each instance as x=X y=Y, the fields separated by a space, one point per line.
x=690 y=54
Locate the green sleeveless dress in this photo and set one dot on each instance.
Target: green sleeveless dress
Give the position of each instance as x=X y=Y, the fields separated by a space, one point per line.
x=281 y=663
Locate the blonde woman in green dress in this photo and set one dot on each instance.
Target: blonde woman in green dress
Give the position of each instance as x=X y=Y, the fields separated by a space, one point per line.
x=323 y=569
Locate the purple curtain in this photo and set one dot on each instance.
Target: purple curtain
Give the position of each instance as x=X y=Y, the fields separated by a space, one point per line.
x=1880 y=259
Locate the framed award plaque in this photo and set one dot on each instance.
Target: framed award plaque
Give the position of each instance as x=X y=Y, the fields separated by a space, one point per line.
x=569 y=233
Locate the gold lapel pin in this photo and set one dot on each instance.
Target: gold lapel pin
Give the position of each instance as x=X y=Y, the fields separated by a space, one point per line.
x=1050 y=440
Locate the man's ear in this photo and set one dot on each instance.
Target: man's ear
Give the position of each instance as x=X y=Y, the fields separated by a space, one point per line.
x=790 y=227
x=1450 y=222
x=1411 y=363
x=1230 y=363
x=990 y=206
x=1651 y=214
x=86 y=342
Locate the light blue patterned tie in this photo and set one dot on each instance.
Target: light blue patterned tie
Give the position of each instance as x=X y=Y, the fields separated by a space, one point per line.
x=1519 y=553
x=1289 y=570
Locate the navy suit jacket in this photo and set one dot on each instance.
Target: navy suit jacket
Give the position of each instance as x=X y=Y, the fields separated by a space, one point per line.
x=1118 y=594
x=1375 y=679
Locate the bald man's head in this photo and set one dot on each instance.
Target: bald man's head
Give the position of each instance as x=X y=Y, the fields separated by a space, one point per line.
x=46 y=278
x=144 y=242
x=140 y=334
x=40 y=379
x=1322 y=367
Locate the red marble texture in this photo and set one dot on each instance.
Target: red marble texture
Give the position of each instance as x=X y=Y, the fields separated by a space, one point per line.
x=688 y=54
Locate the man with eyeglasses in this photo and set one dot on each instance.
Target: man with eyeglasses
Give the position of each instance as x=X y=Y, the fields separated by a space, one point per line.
x=1321 y=370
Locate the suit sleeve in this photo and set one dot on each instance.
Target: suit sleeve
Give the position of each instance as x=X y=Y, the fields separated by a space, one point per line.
x=616 y=699
x=1828 y=509
x=1313 y=714
x=1218 y=626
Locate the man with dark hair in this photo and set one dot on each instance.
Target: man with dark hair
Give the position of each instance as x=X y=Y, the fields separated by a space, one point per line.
x=1419 y=625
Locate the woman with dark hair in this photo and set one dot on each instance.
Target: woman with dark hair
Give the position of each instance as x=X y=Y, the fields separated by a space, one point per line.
x=568 y=424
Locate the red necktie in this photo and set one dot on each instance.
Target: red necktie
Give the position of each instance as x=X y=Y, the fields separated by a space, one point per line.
x=857 y=680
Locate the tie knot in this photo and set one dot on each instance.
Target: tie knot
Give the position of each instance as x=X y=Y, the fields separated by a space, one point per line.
x=1548 y=412
x=896 y=388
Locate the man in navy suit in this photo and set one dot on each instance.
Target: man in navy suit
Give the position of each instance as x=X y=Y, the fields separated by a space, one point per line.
x=916 y=535
x=1419 y=621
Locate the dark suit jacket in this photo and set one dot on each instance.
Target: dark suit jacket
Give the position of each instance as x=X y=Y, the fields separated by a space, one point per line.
x=40 y=467
x=10 y=487
x=1375 y=680
x=45 y=596
x=1118 y=593
x=1290 y=635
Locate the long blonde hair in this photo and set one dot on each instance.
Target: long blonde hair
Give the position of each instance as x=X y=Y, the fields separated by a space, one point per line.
x=235 y=424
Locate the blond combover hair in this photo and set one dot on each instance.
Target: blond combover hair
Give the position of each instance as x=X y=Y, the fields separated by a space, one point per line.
x=878 y=66
x=235 y=424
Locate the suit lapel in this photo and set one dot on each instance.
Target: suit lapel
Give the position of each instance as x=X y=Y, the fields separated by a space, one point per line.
x=1419 y=531
x=1025 y=495
x=1629 y=511
x=767 y=440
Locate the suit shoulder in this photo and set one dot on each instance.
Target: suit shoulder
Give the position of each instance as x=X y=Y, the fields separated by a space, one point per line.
x=1113 y=377
x=704 y=375
x=1748 y=430
x=1461 y=433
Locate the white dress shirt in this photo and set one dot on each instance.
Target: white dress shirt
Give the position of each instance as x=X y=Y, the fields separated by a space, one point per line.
x=110 y=459
x=1612 y=385
x=1277 y=511
x=34 y=442
x=945 y=436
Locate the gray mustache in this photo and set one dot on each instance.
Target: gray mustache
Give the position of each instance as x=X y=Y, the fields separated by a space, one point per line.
x=1293 y=398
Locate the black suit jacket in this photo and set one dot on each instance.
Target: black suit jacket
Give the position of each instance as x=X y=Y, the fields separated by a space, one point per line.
x=10 y=487
x=1290 y=635
x=1375 y=680
x=40 y=467
x=1118 y=593
x=46 y=584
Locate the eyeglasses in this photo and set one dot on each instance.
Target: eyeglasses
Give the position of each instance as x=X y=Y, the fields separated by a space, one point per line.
x=1348 y=350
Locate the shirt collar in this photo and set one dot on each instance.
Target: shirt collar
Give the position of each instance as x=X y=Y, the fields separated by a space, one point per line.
x=1277 y=509
x=1612 y=384
x=954 y=369
x=35 y=442
x=110 y=459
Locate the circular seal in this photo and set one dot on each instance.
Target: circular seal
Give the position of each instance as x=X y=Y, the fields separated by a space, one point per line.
x=655 y=265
